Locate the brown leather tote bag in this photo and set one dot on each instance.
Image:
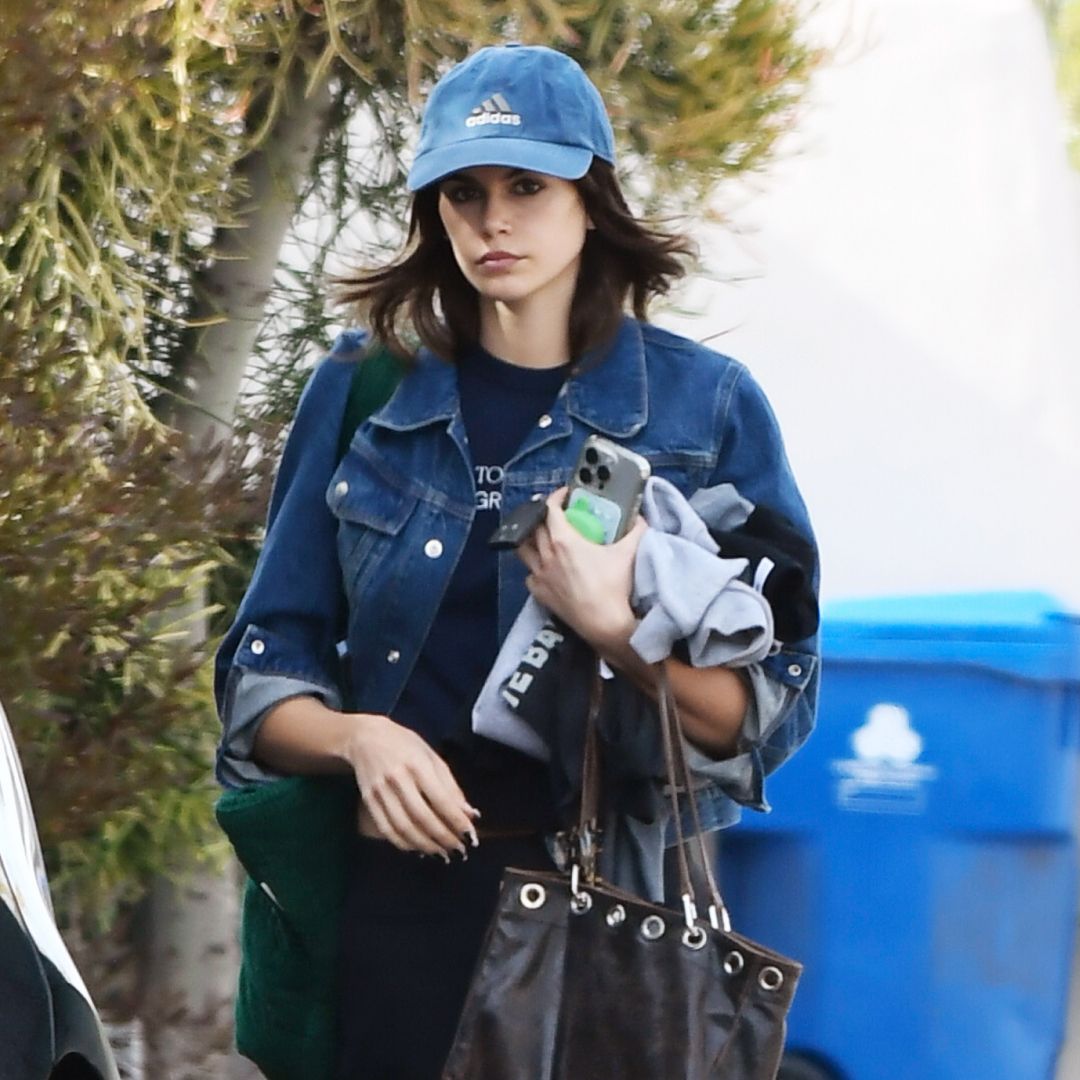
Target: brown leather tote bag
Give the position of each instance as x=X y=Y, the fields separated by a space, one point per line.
x=579 y=980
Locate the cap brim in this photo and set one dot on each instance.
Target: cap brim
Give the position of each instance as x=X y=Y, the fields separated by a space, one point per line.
x=566 y=162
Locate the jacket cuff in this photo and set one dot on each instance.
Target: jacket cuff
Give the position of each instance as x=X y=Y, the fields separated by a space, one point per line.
x=742 y=777
x=255 y=695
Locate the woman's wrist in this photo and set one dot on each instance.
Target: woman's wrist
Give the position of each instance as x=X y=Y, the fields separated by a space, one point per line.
x=356 y=729
x=303 y=735
x=613 y=646
x=611 y=636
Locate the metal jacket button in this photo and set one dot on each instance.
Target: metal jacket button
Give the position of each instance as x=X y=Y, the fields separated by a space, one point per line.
x=341 y=488
x=544 y=421
x=393 y=656
x=433 y=549
x=794 y=670
x=258 y=647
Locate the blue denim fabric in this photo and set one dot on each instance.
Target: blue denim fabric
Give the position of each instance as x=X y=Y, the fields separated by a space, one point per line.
x=386 y=525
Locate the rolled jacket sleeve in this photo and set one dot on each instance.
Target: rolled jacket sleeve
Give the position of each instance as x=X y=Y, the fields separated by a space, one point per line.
x=783 y=686
x=284 y=639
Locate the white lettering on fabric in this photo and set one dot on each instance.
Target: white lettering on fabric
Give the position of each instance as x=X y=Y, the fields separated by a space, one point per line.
x=489 y=480
x=520 y=681
x=535 y=656
x=549 y=638
x=493 y=110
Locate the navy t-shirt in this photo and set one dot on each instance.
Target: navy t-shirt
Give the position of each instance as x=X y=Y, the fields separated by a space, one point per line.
x=500 y=404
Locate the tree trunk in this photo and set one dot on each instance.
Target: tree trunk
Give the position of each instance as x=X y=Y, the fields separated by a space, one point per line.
x=234 y=289
x=188 y=947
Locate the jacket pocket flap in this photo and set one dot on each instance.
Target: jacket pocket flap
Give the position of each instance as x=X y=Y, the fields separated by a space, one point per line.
x=363 y=493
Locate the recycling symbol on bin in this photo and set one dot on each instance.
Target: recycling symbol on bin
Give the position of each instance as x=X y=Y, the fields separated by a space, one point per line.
x=884 y=775
x=888 y=736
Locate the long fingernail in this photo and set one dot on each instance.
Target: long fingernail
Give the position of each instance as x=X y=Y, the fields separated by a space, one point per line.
x=445 y=857
x=471 y=810
x=473 y=838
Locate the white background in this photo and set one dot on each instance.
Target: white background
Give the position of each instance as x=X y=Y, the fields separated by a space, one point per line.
x=910 y=301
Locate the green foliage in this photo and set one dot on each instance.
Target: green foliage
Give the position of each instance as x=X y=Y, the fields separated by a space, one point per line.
x=106 y=541
x=119 y=136
x=1063 y=17
x=129 y=121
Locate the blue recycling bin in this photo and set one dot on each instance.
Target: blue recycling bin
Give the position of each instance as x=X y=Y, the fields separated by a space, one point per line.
x=921 y=856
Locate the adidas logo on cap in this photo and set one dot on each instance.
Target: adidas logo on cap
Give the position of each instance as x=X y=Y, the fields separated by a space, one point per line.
x=493 y=110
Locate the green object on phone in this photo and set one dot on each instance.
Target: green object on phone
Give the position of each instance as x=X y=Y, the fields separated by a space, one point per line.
x=580 y=514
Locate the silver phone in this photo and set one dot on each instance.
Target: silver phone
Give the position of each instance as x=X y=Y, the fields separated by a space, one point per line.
x=606 y=490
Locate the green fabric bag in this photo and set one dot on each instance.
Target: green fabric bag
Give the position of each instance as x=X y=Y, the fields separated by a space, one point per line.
x=292 y=837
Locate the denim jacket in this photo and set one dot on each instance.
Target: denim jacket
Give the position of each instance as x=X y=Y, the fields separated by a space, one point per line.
x=358 y=553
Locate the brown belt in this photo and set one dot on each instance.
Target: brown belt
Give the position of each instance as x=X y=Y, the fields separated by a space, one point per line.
x=508 y=832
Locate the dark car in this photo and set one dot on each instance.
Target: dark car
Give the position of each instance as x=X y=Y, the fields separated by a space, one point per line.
x=49 y=1028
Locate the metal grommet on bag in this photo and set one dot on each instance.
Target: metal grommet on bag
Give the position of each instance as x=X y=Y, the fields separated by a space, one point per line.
x=533 y=895
x=771 y=979
x=616 y=916
x=652 y=927
x=694 y=937
x=734 y=962
x=580 y=902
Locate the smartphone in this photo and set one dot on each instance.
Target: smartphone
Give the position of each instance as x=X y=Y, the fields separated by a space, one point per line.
x=606 y=490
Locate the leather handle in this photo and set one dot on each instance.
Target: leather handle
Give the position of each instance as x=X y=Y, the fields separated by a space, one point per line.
x=678 y=774
x=678 y=778
x=586 y=841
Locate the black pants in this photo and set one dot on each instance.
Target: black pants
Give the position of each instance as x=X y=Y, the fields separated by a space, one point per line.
x=411 y=934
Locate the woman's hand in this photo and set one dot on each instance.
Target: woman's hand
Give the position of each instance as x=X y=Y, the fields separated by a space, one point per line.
x=587 y=585
x=408 y=794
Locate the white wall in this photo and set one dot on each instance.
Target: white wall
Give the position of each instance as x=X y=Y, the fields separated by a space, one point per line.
x=913 y=308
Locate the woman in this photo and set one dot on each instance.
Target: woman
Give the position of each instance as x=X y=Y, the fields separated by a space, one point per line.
x=522 y=256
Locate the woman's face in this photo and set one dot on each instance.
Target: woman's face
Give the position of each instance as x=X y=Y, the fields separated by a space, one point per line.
x=516 y=235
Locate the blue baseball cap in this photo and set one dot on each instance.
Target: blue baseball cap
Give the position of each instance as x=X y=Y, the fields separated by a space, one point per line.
x=522 y=106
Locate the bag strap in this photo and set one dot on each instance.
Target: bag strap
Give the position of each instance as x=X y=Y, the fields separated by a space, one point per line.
x=374 y=380
x=585 y=842
x=679 y=780
x=678 y=772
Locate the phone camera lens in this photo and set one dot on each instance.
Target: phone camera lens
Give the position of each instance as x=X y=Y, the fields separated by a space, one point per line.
x=585 y=476
x=604 y=473
x=591 y=456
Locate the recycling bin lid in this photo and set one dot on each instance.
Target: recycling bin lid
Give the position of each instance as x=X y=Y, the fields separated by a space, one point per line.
x=1020 y=633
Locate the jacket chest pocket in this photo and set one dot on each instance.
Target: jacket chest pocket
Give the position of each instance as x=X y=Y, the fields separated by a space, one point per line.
x=371 y=509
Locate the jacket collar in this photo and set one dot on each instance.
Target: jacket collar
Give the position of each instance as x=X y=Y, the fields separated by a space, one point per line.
x=426 y=394
x=610 y=394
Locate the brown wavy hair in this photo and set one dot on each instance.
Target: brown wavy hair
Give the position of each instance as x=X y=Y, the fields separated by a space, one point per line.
x=625 y=261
